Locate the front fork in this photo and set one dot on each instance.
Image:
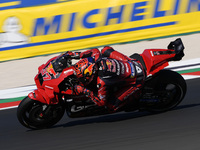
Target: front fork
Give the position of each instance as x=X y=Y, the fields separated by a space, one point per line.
x=48 y=105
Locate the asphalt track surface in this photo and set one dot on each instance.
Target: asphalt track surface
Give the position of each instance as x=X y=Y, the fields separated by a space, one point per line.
x=178 y=129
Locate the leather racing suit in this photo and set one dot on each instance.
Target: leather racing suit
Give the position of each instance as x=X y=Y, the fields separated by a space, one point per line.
x=113 y=70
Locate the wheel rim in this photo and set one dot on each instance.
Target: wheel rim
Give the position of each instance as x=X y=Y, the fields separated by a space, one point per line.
x=34 y=116
x=170 y=96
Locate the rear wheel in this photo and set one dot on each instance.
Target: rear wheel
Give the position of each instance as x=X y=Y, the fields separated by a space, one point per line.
x=168 y=90
x=35 y=115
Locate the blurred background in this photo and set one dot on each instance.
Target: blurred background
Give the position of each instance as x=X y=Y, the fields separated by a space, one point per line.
x=33 y=31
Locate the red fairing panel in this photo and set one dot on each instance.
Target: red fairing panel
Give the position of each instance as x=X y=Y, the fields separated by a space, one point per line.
x=46 y=93
x=156 y=59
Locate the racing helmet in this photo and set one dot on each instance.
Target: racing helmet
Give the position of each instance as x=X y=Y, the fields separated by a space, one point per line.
x=85 y=70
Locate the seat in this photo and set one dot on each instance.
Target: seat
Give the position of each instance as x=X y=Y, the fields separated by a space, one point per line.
x=139 y=58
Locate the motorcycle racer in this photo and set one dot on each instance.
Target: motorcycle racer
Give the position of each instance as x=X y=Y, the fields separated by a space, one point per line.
x=102 y=83
x=109 y=68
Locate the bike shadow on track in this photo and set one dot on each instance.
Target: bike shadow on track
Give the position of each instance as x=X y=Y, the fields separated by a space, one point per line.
x=107 y=118
x=117 y=117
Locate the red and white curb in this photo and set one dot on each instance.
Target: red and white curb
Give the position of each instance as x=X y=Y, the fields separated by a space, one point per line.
x=186 y=65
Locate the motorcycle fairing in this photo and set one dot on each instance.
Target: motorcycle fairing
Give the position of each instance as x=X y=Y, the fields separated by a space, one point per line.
x=47 y=88
x=156 y=59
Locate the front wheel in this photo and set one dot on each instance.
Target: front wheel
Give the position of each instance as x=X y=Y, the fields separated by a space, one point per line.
x=168 y=90
x=35 y=115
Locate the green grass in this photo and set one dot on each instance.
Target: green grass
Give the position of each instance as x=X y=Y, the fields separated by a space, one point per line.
x=11 y=99
x=189 y=71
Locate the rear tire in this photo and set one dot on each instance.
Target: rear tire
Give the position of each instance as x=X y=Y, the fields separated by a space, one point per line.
x=169 y=89
x=30 y=114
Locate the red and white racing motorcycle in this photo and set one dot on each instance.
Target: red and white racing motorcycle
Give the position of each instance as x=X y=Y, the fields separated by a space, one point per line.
x=162 y=91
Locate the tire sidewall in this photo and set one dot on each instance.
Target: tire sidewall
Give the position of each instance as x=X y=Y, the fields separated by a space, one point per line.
x=167 y=76
x=27 y=104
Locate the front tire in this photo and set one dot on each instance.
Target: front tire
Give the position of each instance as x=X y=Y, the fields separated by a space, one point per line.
x=169 y=89
x=34 y=115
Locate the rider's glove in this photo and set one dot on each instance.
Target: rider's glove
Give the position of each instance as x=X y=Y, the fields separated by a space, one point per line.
x=81 y=90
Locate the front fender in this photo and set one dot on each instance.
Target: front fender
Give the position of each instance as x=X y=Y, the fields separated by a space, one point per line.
x=46 y=97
